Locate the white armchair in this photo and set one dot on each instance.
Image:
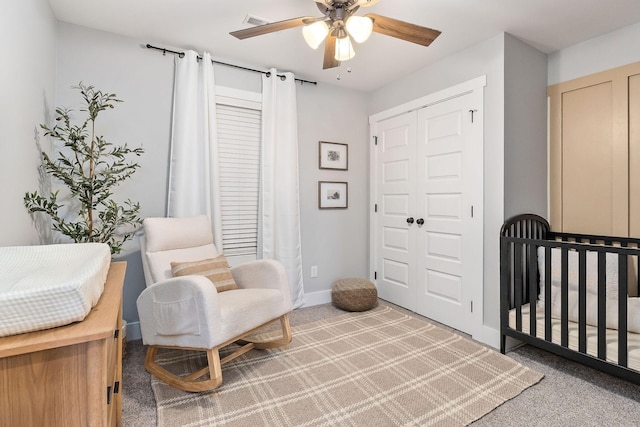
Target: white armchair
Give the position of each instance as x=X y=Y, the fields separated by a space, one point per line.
x=188 y=312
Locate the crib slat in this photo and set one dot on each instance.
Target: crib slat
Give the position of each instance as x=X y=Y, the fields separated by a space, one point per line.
x=564 y=298
x=602 y=306
x=517 y=279
x=622 y=310
x=533 y=289
x=547 y=294
x=582 y=301
x=505 y=290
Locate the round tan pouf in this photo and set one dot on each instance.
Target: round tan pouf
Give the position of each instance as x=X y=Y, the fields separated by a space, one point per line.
x=354 y=294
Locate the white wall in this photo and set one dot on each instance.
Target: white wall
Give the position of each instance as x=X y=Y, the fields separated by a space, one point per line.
x=335 y=241
x=610 y=50
x=27 y=80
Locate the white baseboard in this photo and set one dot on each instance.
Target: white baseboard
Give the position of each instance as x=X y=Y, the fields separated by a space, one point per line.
x=488 y=336
x=316 y=298
x=491 y=337
x=133 y=331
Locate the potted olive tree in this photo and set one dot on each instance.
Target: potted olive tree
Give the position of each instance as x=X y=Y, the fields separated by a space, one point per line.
x=90 y=168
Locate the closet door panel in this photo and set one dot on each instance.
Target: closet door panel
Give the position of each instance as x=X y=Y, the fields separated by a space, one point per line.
x=446 y=156
x=634 y=155
x=588 y=174
x=395 y=175
x=594 y=153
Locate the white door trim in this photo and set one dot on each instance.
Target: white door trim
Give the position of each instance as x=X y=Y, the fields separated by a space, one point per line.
x=433 y=98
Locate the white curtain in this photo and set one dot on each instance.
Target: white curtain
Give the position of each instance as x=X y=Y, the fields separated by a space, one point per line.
x=194 y=184
x=280 y=209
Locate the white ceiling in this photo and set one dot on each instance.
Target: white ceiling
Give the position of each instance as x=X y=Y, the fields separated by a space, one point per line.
x=204 y=25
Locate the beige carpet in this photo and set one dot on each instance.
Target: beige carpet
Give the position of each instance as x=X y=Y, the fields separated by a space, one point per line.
x=376 y=368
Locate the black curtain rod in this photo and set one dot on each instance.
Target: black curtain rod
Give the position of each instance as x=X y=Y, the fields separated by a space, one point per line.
x=268 y=73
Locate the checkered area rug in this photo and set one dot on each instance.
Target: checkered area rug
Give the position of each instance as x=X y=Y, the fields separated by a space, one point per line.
x=375 y=368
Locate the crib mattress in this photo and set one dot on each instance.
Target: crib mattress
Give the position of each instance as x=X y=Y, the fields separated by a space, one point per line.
x=633 y=339
x=46 y=286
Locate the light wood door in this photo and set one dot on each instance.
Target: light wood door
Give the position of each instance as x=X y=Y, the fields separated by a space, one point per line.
x=449 y=184
x=634 y=155
x=395 y=175
x=590 y=173
x=594 y=154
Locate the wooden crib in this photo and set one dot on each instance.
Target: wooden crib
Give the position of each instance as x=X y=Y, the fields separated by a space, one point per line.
x=571 y=294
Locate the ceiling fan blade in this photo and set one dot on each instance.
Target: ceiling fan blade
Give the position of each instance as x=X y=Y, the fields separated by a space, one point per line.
x=366 y=3
x=270 y=28
x=329 y=53
x=403 y=30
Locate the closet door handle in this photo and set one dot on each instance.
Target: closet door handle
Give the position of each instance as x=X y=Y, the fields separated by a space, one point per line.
x=410 y=220
x=420 y=221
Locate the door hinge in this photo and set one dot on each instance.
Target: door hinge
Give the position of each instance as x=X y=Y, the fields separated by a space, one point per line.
x=375 y=140
x=472 y=113
x=375 y=275
x=375 y=207
x=472 y=306
x=471 y=211
x=116 y=387
x=109 y=395
x=116 y=333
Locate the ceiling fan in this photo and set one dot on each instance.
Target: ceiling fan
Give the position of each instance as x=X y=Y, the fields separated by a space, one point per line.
x=339 y=24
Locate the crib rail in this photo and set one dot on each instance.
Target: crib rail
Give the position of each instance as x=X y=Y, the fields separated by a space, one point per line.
x=520 y=240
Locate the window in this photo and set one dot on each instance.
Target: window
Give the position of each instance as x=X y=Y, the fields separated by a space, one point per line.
x=239 y=116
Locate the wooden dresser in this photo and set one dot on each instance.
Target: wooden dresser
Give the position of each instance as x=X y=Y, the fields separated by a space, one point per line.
x=70 y=375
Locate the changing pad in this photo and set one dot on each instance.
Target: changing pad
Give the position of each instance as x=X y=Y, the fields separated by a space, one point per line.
x=46 y=286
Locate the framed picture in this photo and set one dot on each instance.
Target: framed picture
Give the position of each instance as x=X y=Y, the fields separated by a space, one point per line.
x=334 y=156
x=333 y=195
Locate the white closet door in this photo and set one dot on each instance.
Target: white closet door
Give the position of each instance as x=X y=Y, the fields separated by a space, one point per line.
x=395 y=175
x=429 y=170
x=448 y=184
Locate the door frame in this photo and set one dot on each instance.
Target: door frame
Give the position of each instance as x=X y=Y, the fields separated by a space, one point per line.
x=470 y=86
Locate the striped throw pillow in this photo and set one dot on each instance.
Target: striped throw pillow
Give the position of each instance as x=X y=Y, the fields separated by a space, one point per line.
x=215 y=269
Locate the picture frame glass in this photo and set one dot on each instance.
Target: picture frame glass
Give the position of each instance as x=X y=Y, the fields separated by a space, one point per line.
x=332 y=195
x=334 y=156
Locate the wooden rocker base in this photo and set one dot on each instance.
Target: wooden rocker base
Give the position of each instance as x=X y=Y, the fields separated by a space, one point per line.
x=192 y=382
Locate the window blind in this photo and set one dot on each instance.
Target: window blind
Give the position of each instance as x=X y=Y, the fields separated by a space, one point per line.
x=239 y=135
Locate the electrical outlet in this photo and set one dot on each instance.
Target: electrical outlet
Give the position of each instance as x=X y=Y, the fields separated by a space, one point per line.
x=314 y=271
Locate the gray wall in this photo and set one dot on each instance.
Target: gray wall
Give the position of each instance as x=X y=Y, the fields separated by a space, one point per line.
x=335 y=241
x=27 y=82
x=610 y=50
x=525 y=130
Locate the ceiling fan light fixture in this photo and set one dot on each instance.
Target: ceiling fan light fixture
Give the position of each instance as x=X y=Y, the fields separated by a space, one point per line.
x=344 y=49
x=315 y=33
x=359 y=27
